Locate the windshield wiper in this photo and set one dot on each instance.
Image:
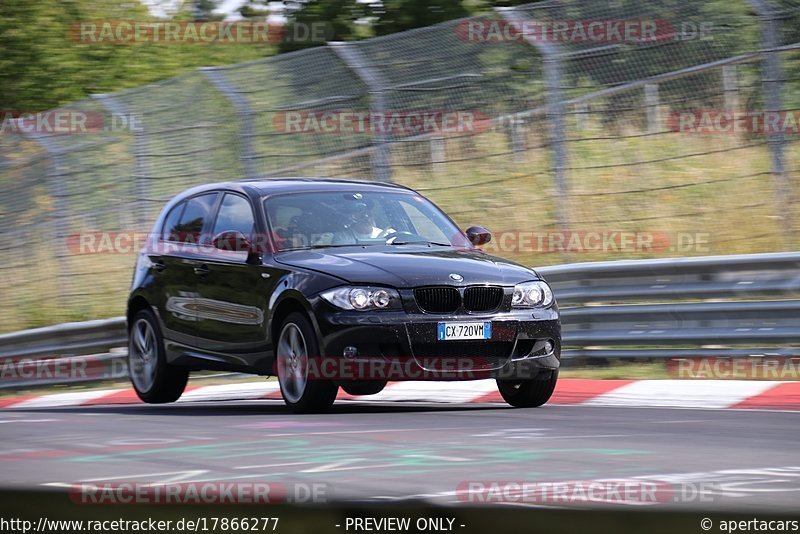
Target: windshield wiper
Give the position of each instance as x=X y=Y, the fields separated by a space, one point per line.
x=311 y=247
x=339 y=245
x=434 y=243
x=336 y=245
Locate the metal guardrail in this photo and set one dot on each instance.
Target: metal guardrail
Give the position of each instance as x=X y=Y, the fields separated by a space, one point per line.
x=722 y=306
x=65 y=339
x=84 y=352
x=638 y=309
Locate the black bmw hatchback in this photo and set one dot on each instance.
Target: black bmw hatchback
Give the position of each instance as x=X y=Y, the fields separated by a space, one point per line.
x=328 y=284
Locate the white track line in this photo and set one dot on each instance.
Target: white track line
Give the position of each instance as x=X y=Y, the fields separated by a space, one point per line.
x=240 y=391
x=64 y=399
x=682 y=393
x=447 y=392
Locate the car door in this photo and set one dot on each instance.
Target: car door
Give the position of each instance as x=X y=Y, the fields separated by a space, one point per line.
x=232 y=295
x=174 y=263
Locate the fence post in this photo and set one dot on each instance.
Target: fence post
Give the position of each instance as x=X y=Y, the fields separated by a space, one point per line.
x=246 y=152
x=141 y=179
x=517 y=131
x=555 y=113
x=651 y=102
x=771 y=81
x=355 y=61
x=438 y=156
x=730 y=86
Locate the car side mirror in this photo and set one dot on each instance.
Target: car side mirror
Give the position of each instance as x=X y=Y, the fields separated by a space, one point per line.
x=478 y=235
x=232 y=241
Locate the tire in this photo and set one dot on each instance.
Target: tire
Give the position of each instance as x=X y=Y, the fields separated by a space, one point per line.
x=153 y=379
x=527 y=393
x=296 y=344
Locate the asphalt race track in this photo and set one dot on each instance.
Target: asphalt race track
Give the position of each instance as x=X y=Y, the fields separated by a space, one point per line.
x=743 y=459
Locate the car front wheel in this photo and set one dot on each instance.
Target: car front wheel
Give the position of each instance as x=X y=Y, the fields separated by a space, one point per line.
x=153 y=379
x=296 y=346
x=527 y=393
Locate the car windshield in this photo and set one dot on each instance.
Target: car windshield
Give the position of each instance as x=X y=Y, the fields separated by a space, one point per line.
x=331 y=219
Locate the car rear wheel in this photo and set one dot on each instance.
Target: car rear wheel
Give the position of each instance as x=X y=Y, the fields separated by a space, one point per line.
x=527 y=393
x=296 y=346
x=153 y=379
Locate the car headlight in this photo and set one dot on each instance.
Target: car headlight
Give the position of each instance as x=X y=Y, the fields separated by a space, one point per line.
x=532 y=295
x=362 y=298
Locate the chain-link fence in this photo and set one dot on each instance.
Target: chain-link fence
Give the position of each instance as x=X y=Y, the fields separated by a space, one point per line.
x=574 y=130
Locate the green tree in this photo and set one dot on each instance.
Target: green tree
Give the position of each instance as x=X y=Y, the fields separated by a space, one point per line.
x=204 y=10
x=392 y=16
x=352 y=19
x=44 y=63
x=339 y=17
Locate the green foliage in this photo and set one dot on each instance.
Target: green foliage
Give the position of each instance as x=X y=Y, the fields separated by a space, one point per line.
x=203 y=10
x=339 y=17
x=43 y=66
x=393 y=16
x=353 y=19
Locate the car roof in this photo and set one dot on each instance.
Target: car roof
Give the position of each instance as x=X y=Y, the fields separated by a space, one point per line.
x=291 y=185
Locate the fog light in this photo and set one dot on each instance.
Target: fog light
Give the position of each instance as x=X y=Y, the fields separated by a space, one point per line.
x=350 y=352
x=548 y=347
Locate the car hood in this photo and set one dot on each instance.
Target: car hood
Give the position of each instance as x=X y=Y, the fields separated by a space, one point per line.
x=408 y=266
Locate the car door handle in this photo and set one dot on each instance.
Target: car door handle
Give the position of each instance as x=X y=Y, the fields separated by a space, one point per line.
x=202 y=269
x=158 y=265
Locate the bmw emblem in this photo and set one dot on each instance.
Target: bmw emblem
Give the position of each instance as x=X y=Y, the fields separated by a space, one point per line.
x=456 y=277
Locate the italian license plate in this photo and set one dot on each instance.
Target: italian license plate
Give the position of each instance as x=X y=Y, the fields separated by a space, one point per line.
x=455 y=331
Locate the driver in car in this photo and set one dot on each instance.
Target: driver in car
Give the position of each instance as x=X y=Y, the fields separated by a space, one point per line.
x=360 y=227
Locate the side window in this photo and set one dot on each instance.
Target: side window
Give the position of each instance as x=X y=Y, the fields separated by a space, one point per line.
x=194 y=217
x=235 y=215
x=170 y=230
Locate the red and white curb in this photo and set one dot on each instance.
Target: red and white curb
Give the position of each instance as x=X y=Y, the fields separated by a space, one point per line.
x=715 y=394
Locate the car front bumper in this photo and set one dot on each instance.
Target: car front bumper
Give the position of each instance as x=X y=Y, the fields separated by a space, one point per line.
x=397 y=345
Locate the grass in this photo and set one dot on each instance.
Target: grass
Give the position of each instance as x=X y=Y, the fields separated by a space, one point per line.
x=618 y=371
